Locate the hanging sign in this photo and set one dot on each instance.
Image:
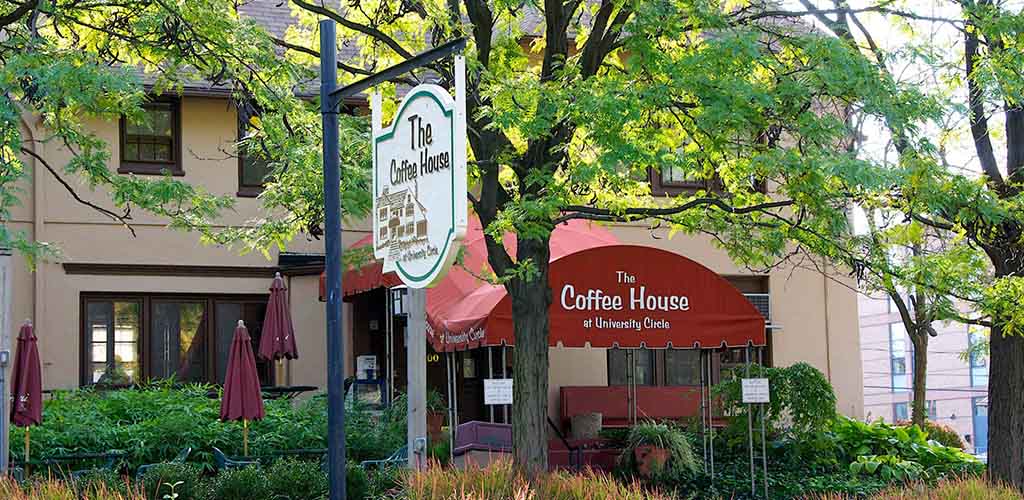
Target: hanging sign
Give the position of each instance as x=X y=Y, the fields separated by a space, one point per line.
x=498 y=391
x=755 y=390
x=419 y=182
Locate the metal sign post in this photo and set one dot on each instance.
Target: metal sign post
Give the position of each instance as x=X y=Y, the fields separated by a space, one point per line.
x=5 y=356
x=755 y=394
x=331 y=98
x=332 y=242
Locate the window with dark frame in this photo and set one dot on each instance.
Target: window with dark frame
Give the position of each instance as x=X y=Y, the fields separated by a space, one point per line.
x=253 y=171
x=151 y=143
x=933 y=409
x=682 y=367
x=134 y=337
x=977 y=360
x=900 y=412
x=618 y=366
x=898 y=356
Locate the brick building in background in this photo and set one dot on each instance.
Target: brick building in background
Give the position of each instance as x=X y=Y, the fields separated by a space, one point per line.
x=957 y=383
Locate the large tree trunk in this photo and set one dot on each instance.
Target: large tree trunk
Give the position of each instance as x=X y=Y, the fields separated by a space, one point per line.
x=1006 y=385
x=530 y=301
x=920 y=411
x=1006 y=408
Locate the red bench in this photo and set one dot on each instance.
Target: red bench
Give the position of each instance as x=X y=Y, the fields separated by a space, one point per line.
x=654 y=402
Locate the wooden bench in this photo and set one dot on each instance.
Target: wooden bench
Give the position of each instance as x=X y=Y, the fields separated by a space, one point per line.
x=652 y=402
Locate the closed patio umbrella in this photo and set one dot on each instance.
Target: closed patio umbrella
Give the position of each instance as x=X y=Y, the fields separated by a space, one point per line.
x=278 y=338
x=26 y=385
x=242 y=399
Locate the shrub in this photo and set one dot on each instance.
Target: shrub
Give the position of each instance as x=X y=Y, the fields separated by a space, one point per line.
x=357 y=484
x=856 y=439
x=246 y=483
x=152 y=423
x=100 y=480
x=944 y=435
x=295 y=479
x=801 y=397
x=383 y=481
x=681 y=460
x=158 y=480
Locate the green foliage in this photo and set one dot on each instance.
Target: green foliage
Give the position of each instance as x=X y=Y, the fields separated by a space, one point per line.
x=856 y=439
x=298 y=479
x=801 y=398
x=151 y=424
x=681 y=460
x=158 y=480
x=100 y=480
x=887 y=467
x=944 y=435
x=244 y=483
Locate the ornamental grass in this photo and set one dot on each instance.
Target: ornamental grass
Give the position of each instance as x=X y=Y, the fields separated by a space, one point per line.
x=499 y=481
x=974 y=488
x=53 y=489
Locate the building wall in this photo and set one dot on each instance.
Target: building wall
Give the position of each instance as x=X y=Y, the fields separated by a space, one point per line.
x=814 y=313
x=948 y=377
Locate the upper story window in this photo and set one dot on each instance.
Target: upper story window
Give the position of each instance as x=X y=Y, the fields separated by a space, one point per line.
x=151 y=143
x=253 y=171
x=978 y=361
x=898 y=352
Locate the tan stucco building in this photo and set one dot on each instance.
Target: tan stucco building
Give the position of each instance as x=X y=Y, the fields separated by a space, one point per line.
x=121 y=309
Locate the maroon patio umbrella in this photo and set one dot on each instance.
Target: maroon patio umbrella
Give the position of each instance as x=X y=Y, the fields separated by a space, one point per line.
x=242 y=399
x=278 y=338
x=26 y=384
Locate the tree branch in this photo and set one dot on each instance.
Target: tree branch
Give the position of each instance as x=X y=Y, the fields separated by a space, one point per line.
x=122 y=218
x=370 y=31
x=978 y=120
x=16 y=14
x=631 y=214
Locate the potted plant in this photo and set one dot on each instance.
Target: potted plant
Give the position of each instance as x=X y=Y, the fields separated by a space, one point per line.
x=436 y=411
x=653 y=447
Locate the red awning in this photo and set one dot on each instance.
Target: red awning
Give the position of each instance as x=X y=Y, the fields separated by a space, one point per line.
x=604 y=295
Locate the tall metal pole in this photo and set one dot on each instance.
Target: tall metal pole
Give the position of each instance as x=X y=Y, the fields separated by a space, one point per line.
x=5 y=355
x=332 y=239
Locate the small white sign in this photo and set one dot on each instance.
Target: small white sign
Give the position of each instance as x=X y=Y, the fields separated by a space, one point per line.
x=366 y=367
x=498 y=391
x=755 y=390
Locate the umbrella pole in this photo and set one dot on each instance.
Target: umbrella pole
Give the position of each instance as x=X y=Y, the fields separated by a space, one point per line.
x=279 y=378
x=245 y=437
x=27 y=440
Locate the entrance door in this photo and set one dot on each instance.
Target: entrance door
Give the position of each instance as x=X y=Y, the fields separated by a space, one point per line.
x=979 y=408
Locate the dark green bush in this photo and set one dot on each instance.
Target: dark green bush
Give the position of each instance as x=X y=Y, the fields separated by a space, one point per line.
x=246 y=483
x=802 y=400
x=856 y=439
x=159 y=479
x=296 y=480
x=357 y=484
x=155 y=422
x=944 y=435
x=100 y=480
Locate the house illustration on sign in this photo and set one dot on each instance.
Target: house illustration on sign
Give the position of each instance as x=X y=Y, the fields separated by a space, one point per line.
x=401 y=219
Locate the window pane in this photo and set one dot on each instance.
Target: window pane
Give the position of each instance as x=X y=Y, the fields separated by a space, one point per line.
x=227 y=314
x=125 y=352
x=900 y=411
x=150 y=137
x=99 y=353
x=682 y=367
x=618 y=366
x=178 y=341
x=254 y=171
x=126 y=321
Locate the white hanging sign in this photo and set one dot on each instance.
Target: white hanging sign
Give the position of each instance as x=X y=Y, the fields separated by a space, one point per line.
x=419 y=182
x=498 y=391
x=755 y=390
